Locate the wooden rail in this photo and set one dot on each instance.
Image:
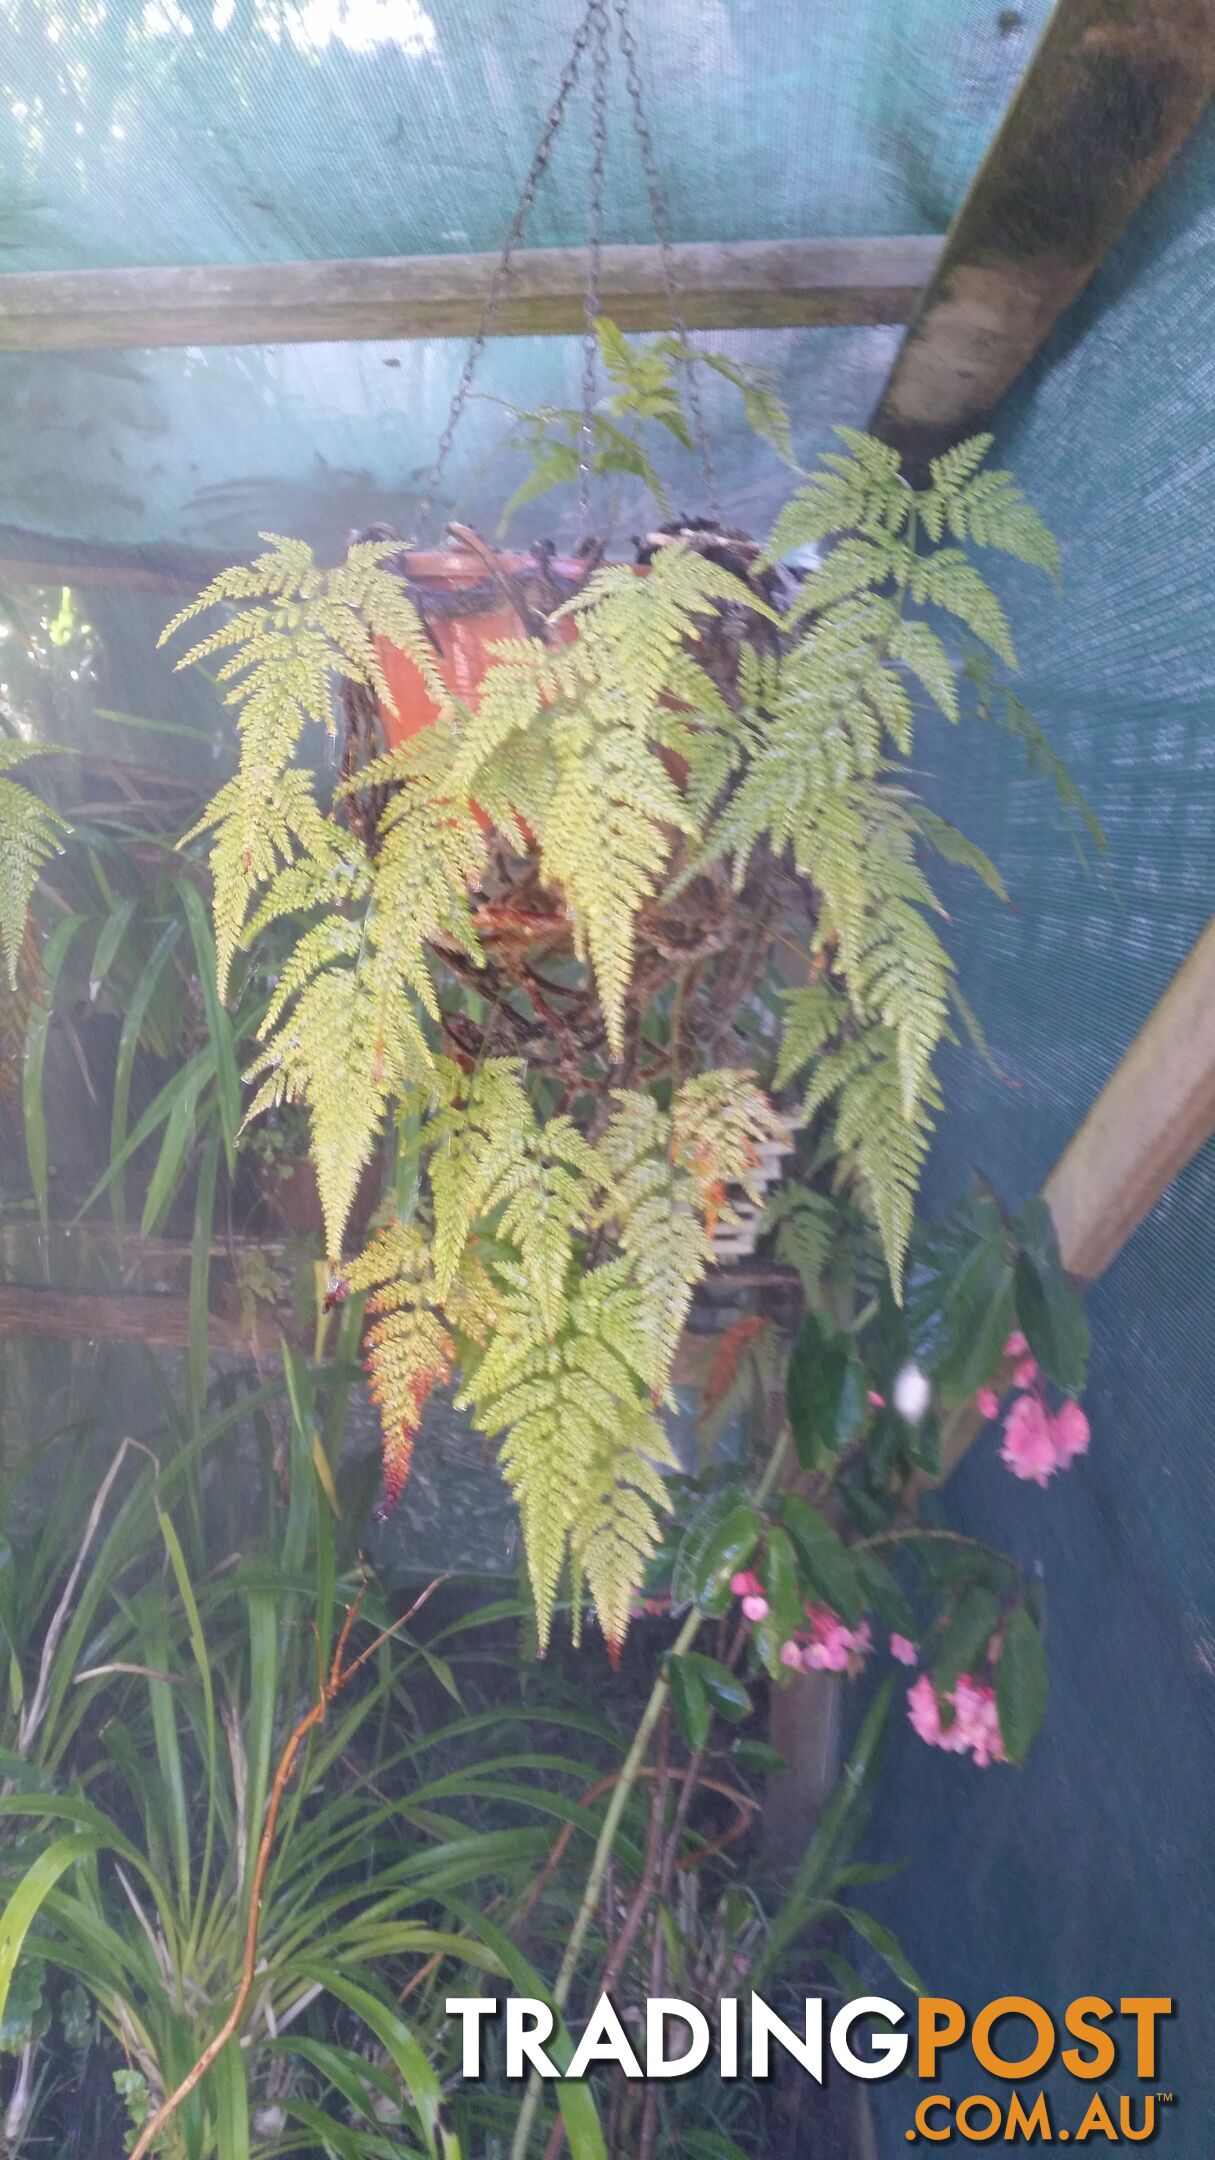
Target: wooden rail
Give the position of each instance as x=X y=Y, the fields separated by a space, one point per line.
x=753 y=284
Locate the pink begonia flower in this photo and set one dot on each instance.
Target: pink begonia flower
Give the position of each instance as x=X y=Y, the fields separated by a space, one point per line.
x=876 y=1401
x=1029 y=1448
x=976 y=1725
x=1016 y=1346
x=745 y=1584
x=924 y=1711
x=791 y=1656
x=833 y=1646
x=755 y=1606
x=903 y=1650
x=1070 y=1433
x=978 y=1721
x=987 y=1403
x=1026 y=1372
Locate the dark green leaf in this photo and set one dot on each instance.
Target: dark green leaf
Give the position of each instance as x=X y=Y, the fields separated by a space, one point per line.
x=963 y=1647
x=724 y=1690
x=1050 y=1309
x=827 y=1568
x=760 y=1759
x=698 y=1536
x=959 y=1299
x=691 y=1704
x=883 y=1595
x=1021 y=1685
x=779 y=1577
x=727 y=1550
x=824 y=1391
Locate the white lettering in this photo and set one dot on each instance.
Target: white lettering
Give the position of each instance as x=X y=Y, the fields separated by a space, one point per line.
x=765 y=2026
x=605 y=2040
x=528 y=2024
x=658 y=2064
x=470 y=2009
x=890 y=2048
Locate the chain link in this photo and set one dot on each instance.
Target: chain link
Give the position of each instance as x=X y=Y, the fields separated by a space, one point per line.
x=661 y=219
x=592 y=35
x=536 y=170
x=591 y=302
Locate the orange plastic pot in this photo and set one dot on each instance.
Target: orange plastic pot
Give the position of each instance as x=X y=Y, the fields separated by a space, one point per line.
x=464 y=641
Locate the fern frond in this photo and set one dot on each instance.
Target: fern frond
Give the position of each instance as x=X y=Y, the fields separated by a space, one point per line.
x=563 y=1407
x=407 y=1350
x=806 y=1225
x=617 y=1524
x=863 y=1081
x=31 y=833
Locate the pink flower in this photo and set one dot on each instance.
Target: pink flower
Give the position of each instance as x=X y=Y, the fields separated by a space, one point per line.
x=978 y=1721
x=1026 y=1372
x=1016 y=1346
x=976 y=1725
x=904 y=1651
x=924 y=1711
x=876 y=1401
x=1029 y=1448
x=746 y=1584
x=791 y=1656
x=833 y=1646
x=987 y=1403
x=1070 y=1433
x=755 y=1606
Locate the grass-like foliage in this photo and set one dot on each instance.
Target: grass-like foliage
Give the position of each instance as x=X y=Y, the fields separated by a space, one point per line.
x=559 y=1233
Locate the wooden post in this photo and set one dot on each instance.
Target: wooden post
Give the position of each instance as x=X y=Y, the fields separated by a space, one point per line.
x=1111 y=93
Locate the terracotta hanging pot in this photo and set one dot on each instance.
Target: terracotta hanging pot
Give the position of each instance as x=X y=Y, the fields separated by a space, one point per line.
x=470 y=598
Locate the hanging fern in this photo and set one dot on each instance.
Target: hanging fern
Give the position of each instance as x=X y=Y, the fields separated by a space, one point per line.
x=657 y=728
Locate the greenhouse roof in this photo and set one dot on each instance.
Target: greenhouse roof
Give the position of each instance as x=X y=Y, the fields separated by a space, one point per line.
x=143 y=133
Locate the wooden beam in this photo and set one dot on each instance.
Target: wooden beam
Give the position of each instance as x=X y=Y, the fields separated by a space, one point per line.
x=1110 y=95
x=754 y=284
x=93 y=1316
x=1154 y=1113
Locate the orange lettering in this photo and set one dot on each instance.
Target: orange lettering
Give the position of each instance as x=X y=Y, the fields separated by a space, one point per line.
x=1035 y=2124
x=941 y=2025
x=1027 y=2066
x=934 y=2100
x=1083 y=2020
x=1098 y=2118
x=1145 y=2009
x=990 y=2129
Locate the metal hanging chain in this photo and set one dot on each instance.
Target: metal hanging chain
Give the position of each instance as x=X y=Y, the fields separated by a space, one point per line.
x=660 y=216
x=587 y=28
x=591 y=301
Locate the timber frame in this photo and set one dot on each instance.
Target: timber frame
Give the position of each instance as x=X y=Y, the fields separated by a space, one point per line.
x=753 y=284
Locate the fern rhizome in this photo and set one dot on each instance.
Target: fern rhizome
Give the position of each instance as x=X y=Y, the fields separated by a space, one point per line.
x=537 y=933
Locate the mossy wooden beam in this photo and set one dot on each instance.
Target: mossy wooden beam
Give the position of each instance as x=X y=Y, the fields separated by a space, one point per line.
x=1156 y=1110
x=1110 y=95
x=754 y=284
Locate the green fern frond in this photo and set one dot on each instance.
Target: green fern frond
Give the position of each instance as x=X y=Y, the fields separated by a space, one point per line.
x=617 y=1524
x=563 y=1408
x=31 y=833
x=806 y=1226
x=863 y=1082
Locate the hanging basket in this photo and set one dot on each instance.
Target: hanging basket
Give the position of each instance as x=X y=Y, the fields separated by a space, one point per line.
x=469 y=603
